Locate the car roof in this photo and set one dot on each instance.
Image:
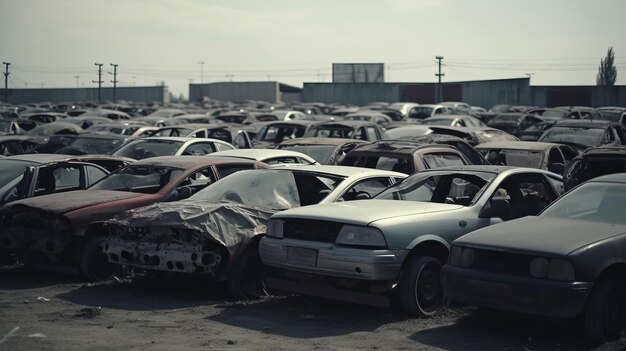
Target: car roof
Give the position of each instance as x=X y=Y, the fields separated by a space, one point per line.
x=487 y=168
x=584 y=123
x=344 y=171
x=47 y=158
x=516 y=145
x=259 y=154
x=320 y=141
x=195 y=126
x=605 y=150
x=398 y=146
x=183 y=139
x=188 y=161
x=351 y=124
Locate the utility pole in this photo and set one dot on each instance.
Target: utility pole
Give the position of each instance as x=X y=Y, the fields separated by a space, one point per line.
x=114 y=81
x=6 y=81
x=76 y=77
x=439 y=75
x=99 y=81
x=201 y=71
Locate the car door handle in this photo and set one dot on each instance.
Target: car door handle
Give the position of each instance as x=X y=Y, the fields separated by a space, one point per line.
x=462 y=223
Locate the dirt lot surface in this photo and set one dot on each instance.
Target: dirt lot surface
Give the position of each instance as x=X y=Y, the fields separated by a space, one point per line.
x=43 y=311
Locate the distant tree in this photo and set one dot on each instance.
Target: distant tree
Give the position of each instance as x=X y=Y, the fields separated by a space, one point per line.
x=607 y=72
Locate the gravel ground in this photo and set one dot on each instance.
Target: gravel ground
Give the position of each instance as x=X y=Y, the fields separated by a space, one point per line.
x=43 y=311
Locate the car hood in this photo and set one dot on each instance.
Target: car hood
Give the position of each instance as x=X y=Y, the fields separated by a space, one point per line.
x=228 y=223
x=551 y=236
x=73 y=200
x=364 y=212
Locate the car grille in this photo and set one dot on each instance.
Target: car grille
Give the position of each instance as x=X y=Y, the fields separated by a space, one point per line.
x=311 y=230
x=502 y=262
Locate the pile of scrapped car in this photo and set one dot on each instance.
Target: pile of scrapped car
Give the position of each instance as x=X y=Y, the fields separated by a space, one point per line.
x=382 y=205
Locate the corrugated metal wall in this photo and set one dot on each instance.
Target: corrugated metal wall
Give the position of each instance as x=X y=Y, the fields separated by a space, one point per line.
x=235 y=91
x=55 y=95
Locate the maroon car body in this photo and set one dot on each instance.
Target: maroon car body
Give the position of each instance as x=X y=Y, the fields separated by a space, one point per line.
x=68 y=228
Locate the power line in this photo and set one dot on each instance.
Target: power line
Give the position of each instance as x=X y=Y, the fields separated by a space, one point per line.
x=6 y=80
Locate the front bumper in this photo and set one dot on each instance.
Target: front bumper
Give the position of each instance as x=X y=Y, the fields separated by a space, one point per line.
x=514 y=293
x=331 y=260
x=163 y=256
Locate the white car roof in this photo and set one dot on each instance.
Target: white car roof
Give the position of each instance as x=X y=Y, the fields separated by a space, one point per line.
x=262 y=154
x=346 y=171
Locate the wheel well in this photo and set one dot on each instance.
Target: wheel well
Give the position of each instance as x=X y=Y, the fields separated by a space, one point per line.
x=617 y=270
x=430 y=248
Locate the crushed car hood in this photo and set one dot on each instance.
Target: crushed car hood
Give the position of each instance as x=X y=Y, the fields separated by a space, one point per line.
x=364 y=212
x=552 y=236
x=225 y=222
x=73 y=200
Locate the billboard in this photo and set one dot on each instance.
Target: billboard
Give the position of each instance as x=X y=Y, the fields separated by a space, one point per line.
x=358 y=72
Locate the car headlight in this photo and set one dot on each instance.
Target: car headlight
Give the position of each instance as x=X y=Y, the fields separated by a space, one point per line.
x=361 y=236
x=539 y=267
x=554 y=269
x=561 y=269
x=275 y=228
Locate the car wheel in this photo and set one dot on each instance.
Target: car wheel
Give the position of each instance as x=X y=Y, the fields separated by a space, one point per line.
x=604 y=312
x=247 y=275
x=419 y=290
x=94 y=265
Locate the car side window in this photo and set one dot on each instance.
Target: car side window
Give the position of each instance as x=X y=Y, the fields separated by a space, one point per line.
x=199 y=149
x=57 y=179
x=225 y=170
x=366 y=189
x=94 y=174
x=527 y=194
x=371 y=133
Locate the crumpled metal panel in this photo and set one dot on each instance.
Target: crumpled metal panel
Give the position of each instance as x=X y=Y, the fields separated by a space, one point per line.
x=227 y=223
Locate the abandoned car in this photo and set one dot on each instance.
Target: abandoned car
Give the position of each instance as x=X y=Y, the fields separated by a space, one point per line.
x=216 y=231
x=569 y=261
x=550 y=156
x=395 y=244
x=595 y=162
x=67 y=228
x=326 y=151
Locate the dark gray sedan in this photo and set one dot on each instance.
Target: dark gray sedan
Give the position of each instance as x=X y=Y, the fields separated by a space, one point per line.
x=569 y=261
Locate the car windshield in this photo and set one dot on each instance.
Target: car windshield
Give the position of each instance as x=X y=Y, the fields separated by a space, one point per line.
x=595 y=202
x=261 y=188
x=461 y=188
x=85 y=146
x=553 y=114
x=506 y=118
x=321 y=153
x=587 y=137
x=613 y=116
x=141 y=149
x=12 y=169
x=51 y=129
x=421 y=112
x=330 y=132
x=140 y=179
x=5 y=126
x=438 y=121
x=517 y=158
x=174 y=132
x=277 y=133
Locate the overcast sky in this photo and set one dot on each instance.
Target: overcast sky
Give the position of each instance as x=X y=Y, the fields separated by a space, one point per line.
x=558 y=42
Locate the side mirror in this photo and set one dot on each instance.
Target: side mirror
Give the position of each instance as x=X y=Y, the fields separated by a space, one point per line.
x=495 y=208
x=557 y=168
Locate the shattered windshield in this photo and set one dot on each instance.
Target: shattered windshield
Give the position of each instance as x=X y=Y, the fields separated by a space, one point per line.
x=141 y=179
x=517 y=158
x=261 y=188
x=441 y=187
